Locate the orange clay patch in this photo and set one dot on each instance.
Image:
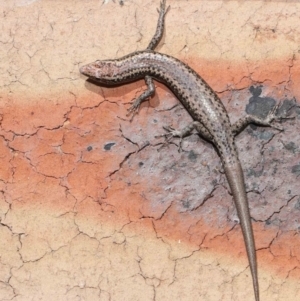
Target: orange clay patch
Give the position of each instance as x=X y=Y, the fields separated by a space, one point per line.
x=57 y=159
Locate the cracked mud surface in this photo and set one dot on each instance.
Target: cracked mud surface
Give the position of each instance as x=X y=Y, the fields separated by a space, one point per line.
x=93 y=206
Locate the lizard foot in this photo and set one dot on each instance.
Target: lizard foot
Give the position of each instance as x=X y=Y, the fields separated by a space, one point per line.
x=171 y=133
x=273 y=117
x=163 y=7
x=133 y=109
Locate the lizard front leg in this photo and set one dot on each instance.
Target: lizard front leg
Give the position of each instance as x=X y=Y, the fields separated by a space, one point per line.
x=241 y=124
x=160 y=26
x=144 y=96
x=153 y=43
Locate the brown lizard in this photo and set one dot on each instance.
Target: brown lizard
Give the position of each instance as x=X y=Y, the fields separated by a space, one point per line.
x=209 y=114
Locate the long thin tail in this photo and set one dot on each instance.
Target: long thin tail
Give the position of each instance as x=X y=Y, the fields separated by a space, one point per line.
x=236 y=182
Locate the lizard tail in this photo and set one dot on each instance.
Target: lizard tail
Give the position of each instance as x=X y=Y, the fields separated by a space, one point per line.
x=236 y=182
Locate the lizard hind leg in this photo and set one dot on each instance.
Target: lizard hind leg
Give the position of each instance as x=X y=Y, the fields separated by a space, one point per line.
x=160 y=26
x=241 y=124
x=185 y=132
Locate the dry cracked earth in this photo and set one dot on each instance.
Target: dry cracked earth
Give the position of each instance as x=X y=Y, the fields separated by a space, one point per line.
x=93 y=206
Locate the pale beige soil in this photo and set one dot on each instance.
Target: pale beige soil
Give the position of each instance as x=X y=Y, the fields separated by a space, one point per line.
x=91 y=206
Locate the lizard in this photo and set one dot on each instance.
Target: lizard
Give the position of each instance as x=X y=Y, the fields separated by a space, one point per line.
x=210 y=118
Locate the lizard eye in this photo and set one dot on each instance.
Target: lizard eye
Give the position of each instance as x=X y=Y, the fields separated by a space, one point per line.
x=98 y=64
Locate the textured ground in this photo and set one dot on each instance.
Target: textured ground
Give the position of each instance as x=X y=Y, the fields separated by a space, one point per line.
x=92 y=207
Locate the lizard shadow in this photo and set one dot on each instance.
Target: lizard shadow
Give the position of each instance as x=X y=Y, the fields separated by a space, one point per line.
x=122 y=90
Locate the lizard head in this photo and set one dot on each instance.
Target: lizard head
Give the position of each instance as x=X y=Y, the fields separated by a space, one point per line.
x=101 y=71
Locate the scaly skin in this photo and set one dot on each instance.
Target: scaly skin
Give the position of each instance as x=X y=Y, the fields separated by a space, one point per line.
x=210 y=117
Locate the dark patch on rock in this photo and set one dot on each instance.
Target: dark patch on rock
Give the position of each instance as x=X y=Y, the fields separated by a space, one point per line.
x=109 y=145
